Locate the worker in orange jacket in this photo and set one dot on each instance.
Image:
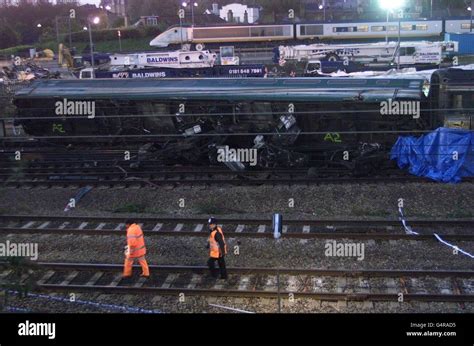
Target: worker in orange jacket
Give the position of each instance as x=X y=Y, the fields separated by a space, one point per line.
x=135 y=249
x=217 y=249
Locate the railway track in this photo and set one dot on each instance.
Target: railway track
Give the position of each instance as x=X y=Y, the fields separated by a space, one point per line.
x=113 y=175
x=359 y=285
x=238 y=180
x=107 y=167
x=460 y=230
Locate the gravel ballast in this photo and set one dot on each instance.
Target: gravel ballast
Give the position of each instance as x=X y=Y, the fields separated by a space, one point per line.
x=346 y=201
x=331 y=200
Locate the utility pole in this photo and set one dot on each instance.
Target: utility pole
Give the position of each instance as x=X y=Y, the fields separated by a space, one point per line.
x=70 y=34
x=57 y=29
x=472 y=9
x=120 y=39
x=400 y=16
x=324 y=9
x=92 y=49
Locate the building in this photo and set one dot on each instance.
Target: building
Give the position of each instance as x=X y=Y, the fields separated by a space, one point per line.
x=147 y=21
x=31 y=2
x=118 y=7
x=357 y=9
x=411 y=9
x=239 y=13
x=67 y=2
x=4 y=3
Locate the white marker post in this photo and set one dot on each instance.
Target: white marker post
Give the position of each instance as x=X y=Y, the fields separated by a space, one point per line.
x=277 y=225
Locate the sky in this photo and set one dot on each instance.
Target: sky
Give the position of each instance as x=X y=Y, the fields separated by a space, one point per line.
x=93 y=2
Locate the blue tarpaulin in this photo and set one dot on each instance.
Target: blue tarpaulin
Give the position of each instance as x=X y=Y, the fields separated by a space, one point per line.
x=445 y=155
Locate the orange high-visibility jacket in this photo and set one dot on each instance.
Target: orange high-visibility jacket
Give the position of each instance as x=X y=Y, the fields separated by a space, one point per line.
x=136 y=241
x=214 y=245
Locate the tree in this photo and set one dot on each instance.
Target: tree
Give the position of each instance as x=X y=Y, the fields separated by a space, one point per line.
x=8 y=36
x=453 y=7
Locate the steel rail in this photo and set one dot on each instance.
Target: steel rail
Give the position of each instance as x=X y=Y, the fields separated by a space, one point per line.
x=248 y=221
x=252 y=234
x=266 y=293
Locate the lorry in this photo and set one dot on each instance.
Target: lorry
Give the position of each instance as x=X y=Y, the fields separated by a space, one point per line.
x=175 y=64
x=227 y=71
x=176 y=59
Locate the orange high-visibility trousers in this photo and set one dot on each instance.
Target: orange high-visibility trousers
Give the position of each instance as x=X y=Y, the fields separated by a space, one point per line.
x=127 y=267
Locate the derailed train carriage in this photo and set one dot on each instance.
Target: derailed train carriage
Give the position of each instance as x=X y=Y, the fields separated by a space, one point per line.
x=290 y=122
x=451 y=98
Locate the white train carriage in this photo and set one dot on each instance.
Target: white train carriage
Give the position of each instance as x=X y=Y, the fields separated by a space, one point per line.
x=223 y=34
x=369 y=30
x=423 y=29
x=458 y=25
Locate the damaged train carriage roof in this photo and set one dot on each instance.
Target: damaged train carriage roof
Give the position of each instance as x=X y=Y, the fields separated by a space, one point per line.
x=277 y=89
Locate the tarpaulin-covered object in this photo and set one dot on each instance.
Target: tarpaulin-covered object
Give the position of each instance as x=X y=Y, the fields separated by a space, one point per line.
x=445 y=154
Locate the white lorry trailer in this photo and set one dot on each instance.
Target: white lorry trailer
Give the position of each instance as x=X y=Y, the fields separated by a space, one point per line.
x=176 y=59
